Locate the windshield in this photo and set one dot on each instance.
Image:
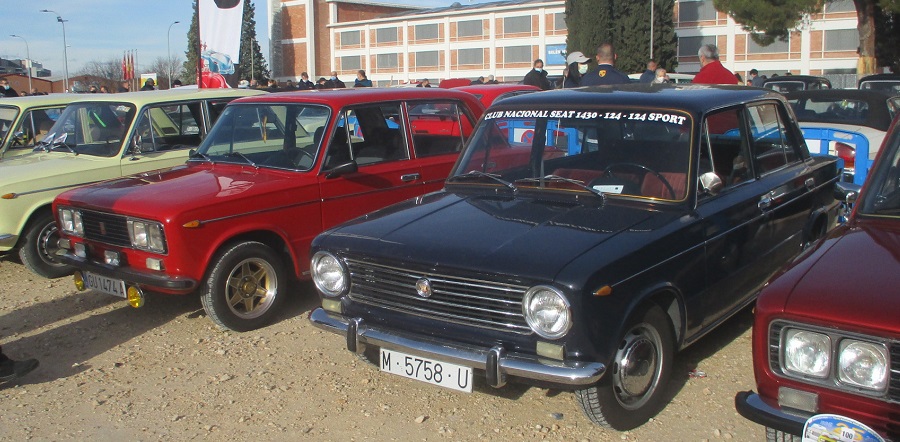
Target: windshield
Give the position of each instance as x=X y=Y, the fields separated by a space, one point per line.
x=614 y=151
x=890 y=86
x=90 y=129
x=7 y=118
x=283 y=136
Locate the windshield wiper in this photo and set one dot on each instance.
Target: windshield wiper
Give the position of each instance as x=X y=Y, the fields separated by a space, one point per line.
x=199 y=154
x=480 y=174
x=243 y=157
x=578 y=183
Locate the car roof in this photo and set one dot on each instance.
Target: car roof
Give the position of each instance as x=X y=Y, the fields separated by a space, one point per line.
x=39 y=100
x=800 y=78
x=337 y=98
x=880 y=77
x=694 y=98
x=177 y=94
x=855 y=94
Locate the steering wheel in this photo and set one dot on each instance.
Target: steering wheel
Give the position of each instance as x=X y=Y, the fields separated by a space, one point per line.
x=304 y=153
x=608 y=172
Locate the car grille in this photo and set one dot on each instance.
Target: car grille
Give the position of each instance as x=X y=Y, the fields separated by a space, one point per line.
x=105 y=228
x=478 y=303
x=775 y=331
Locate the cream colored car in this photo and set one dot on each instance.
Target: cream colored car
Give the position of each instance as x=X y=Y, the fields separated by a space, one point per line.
x=24 y=121
x=98 y=137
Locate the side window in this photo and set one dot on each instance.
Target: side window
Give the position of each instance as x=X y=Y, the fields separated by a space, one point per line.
x=169 y=127
x=724 y=148
x=772 y=146
x=215 y=109
x=34 y=127
x=375 y=136
x=438 y=127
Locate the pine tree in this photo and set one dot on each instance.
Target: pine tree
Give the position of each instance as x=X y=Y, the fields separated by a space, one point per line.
x=189 y=68
x=250 y=53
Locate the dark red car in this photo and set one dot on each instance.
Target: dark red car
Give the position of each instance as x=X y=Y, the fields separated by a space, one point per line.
x=489 y=93
x=235 y=223
x=826 y=339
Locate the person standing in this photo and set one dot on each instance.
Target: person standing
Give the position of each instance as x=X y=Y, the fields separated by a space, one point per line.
x=479 y=80
x=711 y=69
x=650 y=73
x=149 y=85
x=362 y=80
x=661 y=76
x=6 y=90
x=537 y=76
x=424 y=83
x=755 y=79
x=576 y=66
x=334 y=81
x=124 y=87
x=606 y=73
x=304 y=83
x=491 y=80
x=11 y=370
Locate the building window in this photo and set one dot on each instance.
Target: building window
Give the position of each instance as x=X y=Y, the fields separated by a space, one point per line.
x=469 y=28
x=840 y=6
x=559 y=21
x=517 y=54
x=776 y=47
x=427 y=59
x=842 y=40
x=386 y=61
x=350 y=38
x=688 y=46
x=427 y=32
x=696 y=10
x=470 y=56
x=351 y=63
x=512 y=25
x=386 y=35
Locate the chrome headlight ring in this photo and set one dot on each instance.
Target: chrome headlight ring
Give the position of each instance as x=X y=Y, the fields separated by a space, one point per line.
x=70 y=220
x=329 y=274
x=547 y=311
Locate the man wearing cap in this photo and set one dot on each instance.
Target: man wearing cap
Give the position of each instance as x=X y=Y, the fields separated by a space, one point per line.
x=755 y=79
x=650 y=74
x=711 y=69
x=576 y=66
x=606 y=73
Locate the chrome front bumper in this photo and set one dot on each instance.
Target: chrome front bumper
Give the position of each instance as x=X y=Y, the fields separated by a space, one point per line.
x=496 y=362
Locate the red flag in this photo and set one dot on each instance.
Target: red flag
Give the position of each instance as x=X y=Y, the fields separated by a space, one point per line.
x=131 y=65
x=124 y=67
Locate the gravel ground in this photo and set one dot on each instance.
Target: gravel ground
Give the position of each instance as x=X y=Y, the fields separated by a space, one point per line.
x=164 y=372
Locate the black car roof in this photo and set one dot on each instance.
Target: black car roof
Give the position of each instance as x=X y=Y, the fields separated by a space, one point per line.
x=800 y=78
x=836 y=94
x=690 y=97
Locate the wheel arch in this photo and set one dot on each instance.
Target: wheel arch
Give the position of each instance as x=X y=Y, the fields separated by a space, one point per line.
x=39 y=211
x=267 y=237
x=669 y=298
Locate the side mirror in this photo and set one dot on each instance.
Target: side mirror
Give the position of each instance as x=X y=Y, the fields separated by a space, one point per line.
x=710 y=183
x=846 y=192
x=343 y=169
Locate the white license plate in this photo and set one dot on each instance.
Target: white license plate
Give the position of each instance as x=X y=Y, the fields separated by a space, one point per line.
x=452 y=376
x=115 y=287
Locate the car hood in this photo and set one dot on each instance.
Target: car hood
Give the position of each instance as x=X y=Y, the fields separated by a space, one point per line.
x=853 y=282
x=527 y=237
x=181 y=190
x=17 y=172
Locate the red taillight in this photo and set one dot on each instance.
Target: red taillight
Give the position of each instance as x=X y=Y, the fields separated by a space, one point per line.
x=846 y=153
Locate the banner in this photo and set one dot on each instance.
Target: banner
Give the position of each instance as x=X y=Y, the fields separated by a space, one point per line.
x=220 y=39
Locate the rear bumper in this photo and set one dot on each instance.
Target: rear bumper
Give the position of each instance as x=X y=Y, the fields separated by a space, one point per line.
x=164 y=282
x=752 y=407
x=495 y=361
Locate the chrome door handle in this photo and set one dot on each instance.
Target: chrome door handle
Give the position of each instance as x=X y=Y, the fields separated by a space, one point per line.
x=765 y=202
x=409 y=177
x=810 y=183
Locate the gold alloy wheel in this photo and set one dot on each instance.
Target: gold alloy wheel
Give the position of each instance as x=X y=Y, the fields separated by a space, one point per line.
x=251 y=288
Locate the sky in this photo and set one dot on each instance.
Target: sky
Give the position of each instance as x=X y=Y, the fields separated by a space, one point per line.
x=100 y=30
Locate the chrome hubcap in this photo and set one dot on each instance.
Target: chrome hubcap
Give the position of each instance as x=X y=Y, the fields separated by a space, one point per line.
x=637 y=366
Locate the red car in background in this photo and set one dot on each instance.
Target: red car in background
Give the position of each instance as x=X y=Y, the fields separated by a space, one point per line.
x=489 y=93
x=235 y=223
x=826 y=338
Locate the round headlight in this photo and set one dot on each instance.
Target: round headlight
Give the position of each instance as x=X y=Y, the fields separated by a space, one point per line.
x=329 y=274
x=807 y=353
x=547 y=312
x=863 y=364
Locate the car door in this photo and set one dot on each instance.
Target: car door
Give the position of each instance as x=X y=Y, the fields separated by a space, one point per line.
x=439 y=130
x=736 y=231
x=374 y=139
x=162 y=136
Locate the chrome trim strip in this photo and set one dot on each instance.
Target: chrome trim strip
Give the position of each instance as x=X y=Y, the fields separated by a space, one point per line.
x=509 y=364
x=49 y=189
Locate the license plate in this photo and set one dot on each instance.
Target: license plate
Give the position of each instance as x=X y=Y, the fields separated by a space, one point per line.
x=115 y=287
x=443 y=374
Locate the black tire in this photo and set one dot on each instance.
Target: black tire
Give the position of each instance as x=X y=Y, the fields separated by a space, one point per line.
x=627 y=397
x=38 y=251
x=245 y=287
x=773 y=435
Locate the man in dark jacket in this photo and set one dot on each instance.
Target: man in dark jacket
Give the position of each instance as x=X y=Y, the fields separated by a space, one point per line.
x=6 y=90
x=537 y=76
x=605 y=73
x=304 y=83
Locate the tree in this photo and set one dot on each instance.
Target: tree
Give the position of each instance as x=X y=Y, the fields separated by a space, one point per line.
x=110 y=69
x=252 y=64
x=627 y=26
x=162 y=66
x=767 y=20
x=189 y=68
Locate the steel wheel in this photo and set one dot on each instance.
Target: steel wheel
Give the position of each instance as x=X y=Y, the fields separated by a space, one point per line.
x=39 y=248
